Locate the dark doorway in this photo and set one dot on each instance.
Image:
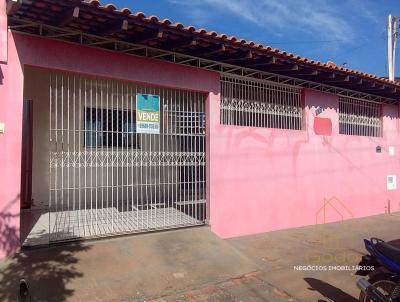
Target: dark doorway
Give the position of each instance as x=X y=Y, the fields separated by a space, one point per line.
x=26 y=162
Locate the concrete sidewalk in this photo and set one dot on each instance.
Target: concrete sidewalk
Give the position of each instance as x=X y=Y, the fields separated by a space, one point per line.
x=334 y=244
x=194 y=265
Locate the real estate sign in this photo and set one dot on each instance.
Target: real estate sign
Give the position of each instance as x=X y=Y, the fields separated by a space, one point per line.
x=148 y=113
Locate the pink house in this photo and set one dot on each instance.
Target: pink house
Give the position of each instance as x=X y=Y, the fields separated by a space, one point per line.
x=112 y=122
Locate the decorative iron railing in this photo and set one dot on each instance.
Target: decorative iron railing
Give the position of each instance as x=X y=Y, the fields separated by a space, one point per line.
x=359 y=117
x=247 y=102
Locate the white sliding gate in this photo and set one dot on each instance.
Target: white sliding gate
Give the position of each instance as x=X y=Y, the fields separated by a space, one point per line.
x=105 y=178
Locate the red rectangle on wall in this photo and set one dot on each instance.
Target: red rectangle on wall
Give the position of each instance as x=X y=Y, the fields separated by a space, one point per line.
x=3 y=32
x=322 y=126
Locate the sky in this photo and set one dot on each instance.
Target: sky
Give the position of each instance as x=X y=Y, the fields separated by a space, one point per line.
x=347 y=32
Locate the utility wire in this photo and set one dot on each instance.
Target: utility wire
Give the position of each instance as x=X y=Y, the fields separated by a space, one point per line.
x=366 y=42
x=307 y=42
x=326 y=41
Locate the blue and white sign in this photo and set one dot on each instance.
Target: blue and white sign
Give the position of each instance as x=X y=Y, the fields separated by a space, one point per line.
x=148 y=113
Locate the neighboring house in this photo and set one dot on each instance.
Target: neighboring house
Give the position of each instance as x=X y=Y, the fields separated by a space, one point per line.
x=113 y=122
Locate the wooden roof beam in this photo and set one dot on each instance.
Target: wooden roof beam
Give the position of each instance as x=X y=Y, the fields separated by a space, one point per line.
x=209 y=50
x=12 y=6
x=112 y=27
x=303 y=72
x=284 y=68
x=239 y=56
x=67 y=17
x=390 y=89
x=376 y=88
x=175 y=45
x=263 y=61
x=145 y=37
x=338 y=79
x=354 y=83
x=368 y=85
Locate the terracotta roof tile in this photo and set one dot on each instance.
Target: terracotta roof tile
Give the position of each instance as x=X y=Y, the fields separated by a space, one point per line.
x=211 y=33
x=166 y=22
x=94 y=3
x=152 y=19
x=178 y=25
x=190 y=28
x=109 y=7
x=125 y=11
x=138 y=15
x=232 y=39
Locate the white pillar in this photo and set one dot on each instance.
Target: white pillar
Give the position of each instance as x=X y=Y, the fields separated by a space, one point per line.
x=392 y=27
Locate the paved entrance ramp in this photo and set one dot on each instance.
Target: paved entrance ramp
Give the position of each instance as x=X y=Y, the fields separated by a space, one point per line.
x=70 y=225
x=133 y=268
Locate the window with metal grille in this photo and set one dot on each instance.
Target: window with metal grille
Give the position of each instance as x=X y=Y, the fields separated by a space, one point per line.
x=248 y=102
x=358 y=117
x=186 y=121
x=110 y=128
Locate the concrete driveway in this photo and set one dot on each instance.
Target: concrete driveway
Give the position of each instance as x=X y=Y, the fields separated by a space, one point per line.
x=194 y=265
x=182 y=265
x=334 y=246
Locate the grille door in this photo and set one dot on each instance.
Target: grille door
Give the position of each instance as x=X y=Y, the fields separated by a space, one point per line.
x=105 y=178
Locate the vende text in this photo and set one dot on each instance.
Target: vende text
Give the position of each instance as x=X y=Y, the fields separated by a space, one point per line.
x=148 y=116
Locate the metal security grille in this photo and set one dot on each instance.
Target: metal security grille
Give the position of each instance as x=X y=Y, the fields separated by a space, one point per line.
x=248 y=102
x=358 y=117
x=104 y=177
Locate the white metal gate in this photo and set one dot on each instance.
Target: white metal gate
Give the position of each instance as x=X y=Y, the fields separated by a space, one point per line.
x=105 y=178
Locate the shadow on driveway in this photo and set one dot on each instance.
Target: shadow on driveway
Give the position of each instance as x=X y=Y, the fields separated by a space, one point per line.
x=395 y=243
x=47 y=272
x=330 y=292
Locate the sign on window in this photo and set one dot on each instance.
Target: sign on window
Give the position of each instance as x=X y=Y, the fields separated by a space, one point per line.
x=148 y=113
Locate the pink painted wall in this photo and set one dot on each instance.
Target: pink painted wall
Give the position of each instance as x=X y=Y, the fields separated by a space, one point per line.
x=3 y=31
x=30 y=51
x=11 y=94
x=269 y=179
